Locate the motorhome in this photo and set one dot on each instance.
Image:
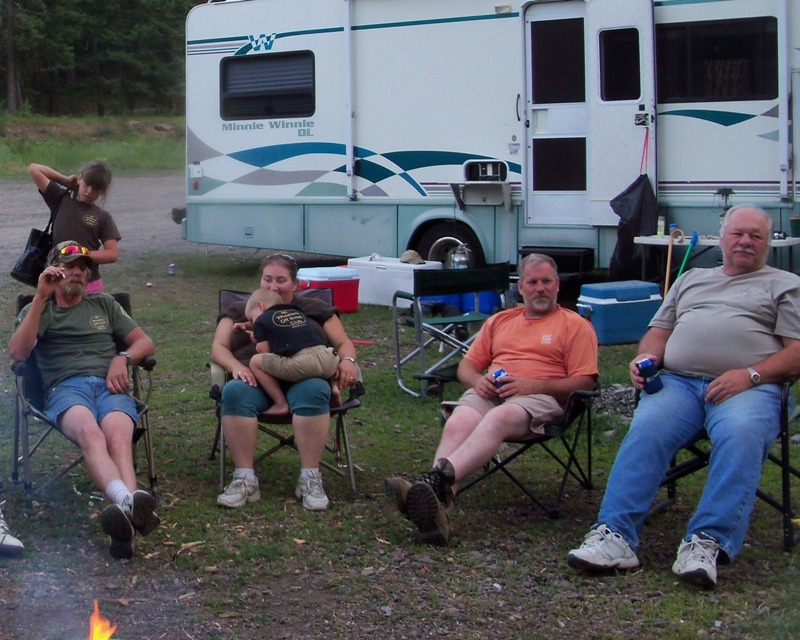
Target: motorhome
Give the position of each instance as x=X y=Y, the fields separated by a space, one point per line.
x=355 y=127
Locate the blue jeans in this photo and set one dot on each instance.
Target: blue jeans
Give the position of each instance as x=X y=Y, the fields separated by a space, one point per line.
x=741 y=430
x=311 y=397
x=90 y=392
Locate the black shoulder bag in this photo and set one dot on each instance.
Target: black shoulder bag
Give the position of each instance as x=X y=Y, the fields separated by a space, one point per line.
x=33 y=260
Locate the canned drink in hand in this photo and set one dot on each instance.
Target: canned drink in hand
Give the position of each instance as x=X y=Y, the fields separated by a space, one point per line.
x=649 y=371
x=497 y=377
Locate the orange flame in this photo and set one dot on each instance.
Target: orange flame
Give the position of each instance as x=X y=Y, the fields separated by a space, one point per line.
x=99 y=627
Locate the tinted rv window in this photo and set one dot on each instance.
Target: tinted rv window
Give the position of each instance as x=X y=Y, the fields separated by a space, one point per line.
x=272 y=85
x=559 y=164
x=557 y=65
x=619 y=65
x=716 y=61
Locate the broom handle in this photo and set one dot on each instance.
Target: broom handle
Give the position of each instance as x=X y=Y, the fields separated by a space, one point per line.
x=674 y=234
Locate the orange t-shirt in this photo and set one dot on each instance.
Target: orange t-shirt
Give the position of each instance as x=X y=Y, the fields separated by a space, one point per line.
x=560 y=345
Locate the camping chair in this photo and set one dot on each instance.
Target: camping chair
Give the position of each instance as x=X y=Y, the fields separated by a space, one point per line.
x=567 y=430
x=30 y=401
x=436 y=341
x=695 y=456
x=339 y=446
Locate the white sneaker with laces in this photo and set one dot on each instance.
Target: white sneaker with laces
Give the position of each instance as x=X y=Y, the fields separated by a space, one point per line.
x=310 y=491
x=697 y=561
x=9 y=545
x=603 y=549
x=239 y=492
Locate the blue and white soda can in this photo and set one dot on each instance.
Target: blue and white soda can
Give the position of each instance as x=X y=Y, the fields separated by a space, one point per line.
x=497 y=377
x=649 y=371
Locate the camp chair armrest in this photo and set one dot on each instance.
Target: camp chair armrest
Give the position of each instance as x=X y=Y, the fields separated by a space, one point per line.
x=405 y=295
x=148 y=364
x=18 y=368
x=573 y=407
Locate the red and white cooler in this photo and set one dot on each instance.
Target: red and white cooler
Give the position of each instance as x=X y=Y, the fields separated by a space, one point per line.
x=343 y=281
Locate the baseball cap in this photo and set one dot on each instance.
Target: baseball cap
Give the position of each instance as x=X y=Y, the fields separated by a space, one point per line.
x=68 y=251
x=411 y=257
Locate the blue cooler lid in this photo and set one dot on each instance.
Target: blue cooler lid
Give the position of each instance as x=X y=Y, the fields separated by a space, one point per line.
x=623 y=291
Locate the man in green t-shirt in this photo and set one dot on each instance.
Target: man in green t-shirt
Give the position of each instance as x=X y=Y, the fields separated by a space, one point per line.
x=74 y=336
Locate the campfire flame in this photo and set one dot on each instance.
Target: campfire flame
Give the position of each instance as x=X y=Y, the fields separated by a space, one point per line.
x=99 y=627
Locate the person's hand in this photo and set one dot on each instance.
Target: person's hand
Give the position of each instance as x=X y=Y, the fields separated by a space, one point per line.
x=633 y=370
x=728 y=385
x=117 y=380
x=485 y=387
x=245 y=375
x=71 y=182
x=336 y=394
x=48 y=281
x=346 y=374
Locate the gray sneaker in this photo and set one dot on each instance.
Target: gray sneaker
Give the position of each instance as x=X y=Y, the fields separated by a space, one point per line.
x=238 y=492
x=603 y=549
x=697 y=561
x=142 y=512
x=9 y=545
x=310 y=491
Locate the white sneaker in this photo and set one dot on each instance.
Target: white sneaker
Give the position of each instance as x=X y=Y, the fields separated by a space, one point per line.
x=697 y=561
x=238 y=492
x=603 y=549
x=9 y=545
x=310 y=491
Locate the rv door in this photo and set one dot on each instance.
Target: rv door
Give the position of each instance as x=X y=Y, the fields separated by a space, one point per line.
x=591 y=102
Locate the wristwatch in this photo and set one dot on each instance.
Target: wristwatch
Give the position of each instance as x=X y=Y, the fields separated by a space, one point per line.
x=755 y=376
x=353 y=360
x=127 y=356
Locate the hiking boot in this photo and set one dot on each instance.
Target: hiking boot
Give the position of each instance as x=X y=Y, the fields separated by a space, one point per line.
x=116 y=524
x=310 y=491
x=697 y=560
x=430 y=501
x=9 y=545
x=142 y=512
x=428 y=514
x=396 y=489
x=603 y=549
x=238 y=492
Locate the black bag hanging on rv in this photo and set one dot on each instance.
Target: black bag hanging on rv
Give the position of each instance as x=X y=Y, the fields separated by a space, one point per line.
x=637 y=209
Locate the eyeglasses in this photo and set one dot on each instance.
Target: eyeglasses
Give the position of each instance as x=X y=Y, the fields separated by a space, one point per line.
x=73 y=249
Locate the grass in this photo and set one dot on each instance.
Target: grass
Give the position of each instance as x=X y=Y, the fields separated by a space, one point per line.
x=507 y=561
x=129 y=145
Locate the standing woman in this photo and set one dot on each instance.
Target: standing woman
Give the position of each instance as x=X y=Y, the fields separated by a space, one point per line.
x=78 y=217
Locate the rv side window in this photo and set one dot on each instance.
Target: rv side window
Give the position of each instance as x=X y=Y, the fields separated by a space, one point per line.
x=718 y=61
x=619 y=65
x=271 y=85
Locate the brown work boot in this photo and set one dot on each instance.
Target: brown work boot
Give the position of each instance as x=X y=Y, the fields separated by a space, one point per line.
x=430 y=501
x=396 y=489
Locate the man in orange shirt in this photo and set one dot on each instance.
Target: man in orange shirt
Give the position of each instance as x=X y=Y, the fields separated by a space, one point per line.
x=546 y=351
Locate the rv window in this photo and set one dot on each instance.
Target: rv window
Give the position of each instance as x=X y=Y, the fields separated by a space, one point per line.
x=619 y=65
x=717 y=61
x=559 y=164
x=272 y=85
x=557 y=64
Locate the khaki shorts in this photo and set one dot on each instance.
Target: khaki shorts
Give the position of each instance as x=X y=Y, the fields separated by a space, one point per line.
x=311 y=362
x=541 y=408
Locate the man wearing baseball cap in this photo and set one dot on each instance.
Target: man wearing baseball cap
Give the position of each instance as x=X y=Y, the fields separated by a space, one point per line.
x=86 y=382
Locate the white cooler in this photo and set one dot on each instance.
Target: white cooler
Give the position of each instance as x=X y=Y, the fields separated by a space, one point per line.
x=380 y=278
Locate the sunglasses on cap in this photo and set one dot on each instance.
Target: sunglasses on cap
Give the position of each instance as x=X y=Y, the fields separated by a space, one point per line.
x=73 y=249
x=283 y=256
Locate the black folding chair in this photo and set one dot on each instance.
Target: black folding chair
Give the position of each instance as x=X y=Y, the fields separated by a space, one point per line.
x=29 y=419
x=566 y=430
x=437 y=340
x=695 y=456
x=339 y=444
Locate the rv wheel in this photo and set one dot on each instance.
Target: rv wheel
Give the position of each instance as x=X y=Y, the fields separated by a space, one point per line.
x=439 y=242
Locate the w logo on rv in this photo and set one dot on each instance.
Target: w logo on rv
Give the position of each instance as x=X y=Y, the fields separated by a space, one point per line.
x=263 y=40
